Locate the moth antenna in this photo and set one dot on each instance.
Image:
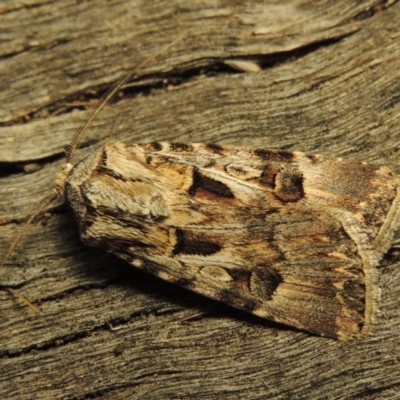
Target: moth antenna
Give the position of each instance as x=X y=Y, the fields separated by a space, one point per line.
x=20 y=231
x=105 y=99
x=60 y=182
x=31 y=216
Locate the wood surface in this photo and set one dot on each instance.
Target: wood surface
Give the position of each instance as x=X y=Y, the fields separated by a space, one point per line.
x=328 y=83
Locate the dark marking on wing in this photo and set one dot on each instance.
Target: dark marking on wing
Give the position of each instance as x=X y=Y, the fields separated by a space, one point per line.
x=268 y=176
x=274 y=155
x=103 y=157
x=264 y=281
x=187 y=243
x=110 y=172
x=181 y=147
x=211 y=186
x=215 y=148
x=156 y=146
x=289 y=186
x=240 y=275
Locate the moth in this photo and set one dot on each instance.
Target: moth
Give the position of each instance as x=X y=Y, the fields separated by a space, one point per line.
x=290 y=237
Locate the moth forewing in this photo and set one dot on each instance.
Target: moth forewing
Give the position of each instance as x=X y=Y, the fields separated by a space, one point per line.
x=273 y=233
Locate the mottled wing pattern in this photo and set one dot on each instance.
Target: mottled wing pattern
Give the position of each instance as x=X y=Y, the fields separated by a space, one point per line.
x=286 y=236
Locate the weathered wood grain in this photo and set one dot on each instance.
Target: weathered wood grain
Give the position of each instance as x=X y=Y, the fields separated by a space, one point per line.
x=329 y=83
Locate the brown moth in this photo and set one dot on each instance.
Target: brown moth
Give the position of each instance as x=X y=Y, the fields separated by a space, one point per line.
x=290 y=237
x=287 y=236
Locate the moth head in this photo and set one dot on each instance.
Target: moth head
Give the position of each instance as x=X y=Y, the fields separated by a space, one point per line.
x=63 y=175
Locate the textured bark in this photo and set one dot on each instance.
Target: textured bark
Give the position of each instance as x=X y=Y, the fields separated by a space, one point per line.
x=329 y=83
